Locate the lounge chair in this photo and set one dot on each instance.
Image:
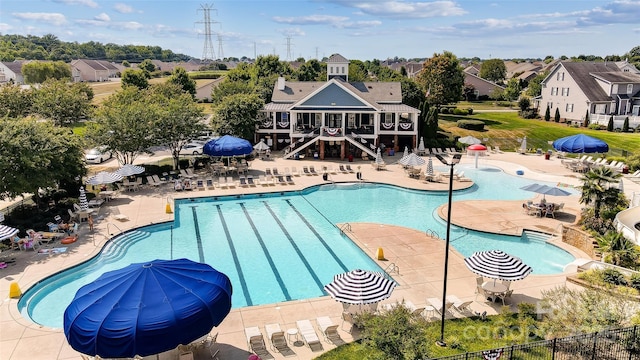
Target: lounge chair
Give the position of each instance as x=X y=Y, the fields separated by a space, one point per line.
x=289 y=180
x=349 y=169
x=329 y=330
x=347 y=317
x=152 y=182
x=200 y=184
x=462 y=307
x=263 y=180
x=309 y=335
x=342 y=169
x=73 y=216
x=437 y=305
x=294 y=171
x=222 y=182
x=243 y=182
x=277 y=337
x=186 y=184
x=267 y=171
x=250 y=180
x=255 y=341
x=281 y=180
x=230 y=182
x=305 y=170
x=312 y=170
x=210 y=184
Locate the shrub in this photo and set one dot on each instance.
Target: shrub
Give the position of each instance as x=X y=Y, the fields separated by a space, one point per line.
x=476 y=125
x=613 y=276
x=595 y=126
x=634 y=281
x=470 y=111
x=528 y=114
x=444 y=110
x=457 y=111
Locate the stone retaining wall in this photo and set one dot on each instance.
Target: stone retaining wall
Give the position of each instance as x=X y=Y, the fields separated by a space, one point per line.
x=581 y=240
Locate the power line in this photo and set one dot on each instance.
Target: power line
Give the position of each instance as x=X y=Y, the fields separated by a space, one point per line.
x=207 y=51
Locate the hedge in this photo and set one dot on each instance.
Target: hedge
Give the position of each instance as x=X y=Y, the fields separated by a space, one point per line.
x=476 y=125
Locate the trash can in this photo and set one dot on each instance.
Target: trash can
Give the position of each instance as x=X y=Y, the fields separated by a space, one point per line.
x=350 y=158
x=325 y=176
x=547 y=156
x=392 y=152
x=625 y=169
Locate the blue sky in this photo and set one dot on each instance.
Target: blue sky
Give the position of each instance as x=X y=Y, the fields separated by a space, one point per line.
x=356 y=29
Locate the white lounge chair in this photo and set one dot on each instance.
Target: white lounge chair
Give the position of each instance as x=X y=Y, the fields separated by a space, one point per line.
x=462 y=307
x=309 y=335
x=437 y=305
x=329 y=330
x=255 y=341
x=277 y=337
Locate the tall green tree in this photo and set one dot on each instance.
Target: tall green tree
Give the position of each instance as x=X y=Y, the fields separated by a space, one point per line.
x=556 y=116
x=147 y=66
x=513 y=89
x=610 y=124
x=442 y=79
x=229 y=87
x=135 y=77
x=125 y=123
x=617 y=249
x=625 y=125
x=493 y=70
x=534 y=88
x=63 y=103
x=37 y=72
x=311 y=70
x=547 y=114
x=237 y=115
x=179 y=119
x=412 y=94
x=15 y=102
x=180 y=77
x=59 y=156
x=597 y=189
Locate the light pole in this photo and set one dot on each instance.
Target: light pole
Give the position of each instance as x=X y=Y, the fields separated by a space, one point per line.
x=454 y=162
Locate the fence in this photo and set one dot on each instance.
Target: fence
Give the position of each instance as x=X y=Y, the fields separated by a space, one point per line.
x=619 y=344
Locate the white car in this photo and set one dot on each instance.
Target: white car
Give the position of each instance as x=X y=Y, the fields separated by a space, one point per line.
x=97 y=155
x=192 y=149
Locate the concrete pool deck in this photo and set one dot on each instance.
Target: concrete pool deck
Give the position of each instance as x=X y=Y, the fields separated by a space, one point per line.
x=420 y=271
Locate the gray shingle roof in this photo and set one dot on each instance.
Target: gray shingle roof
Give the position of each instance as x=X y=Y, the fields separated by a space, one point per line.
x=581 y=72
x=15 y=66
x=337 y=58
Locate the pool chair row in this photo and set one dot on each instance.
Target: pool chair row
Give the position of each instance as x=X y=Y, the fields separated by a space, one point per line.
x=303 y=333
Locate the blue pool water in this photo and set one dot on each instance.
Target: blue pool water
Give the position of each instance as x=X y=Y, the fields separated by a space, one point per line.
x=280 y=247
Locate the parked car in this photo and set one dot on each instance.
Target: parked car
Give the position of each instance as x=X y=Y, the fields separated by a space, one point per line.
x=97 y=155
x=192 y=149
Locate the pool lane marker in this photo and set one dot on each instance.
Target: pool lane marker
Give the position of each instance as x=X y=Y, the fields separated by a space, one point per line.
x=272 y=264
x=234 y=254
x=198 y=237
x=295 y=247
x=313 y=230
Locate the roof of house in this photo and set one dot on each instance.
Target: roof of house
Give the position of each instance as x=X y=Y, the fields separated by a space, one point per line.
x=581 y=72
x=98 y=64
x=373 y=92
x=337 y=58
x=15 y=66
x=618 y=77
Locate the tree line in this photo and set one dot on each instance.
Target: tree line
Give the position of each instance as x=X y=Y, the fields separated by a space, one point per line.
x=49 y=47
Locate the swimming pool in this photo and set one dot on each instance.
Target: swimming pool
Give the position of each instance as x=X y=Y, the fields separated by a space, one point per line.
x=279 y=247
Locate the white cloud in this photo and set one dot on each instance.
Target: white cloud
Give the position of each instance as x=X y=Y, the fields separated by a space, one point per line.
x=5 y=28
x=117 y=26
x=123 y=8
x=56 y=19
x=404 y=9
x=291 y=32
x=102 y=17
x=89 y=3
x=310 y=20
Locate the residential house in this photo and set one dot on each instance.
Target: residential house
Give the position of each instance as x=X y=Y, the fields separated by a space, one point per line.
x=600 y=89
x=11 y=71
x=93 y=70
x=203 y=91
x=482 y=87
x=337 y=118
x=473 y=69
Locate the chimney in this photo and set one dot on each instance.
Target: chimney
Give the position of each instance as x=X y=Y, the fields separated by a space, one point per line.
x=281 y=83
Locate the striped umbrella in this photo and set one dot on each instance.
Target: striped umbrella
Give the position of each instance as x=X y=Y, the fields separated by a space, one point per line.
x=429 y=166
x=7 y=232
x=84 y=204
x=129 y=170
x=360 y=287
x=496 y=264
x=406 y=151
x=104 y=177
x=411 y=160
x=421 y=145
x=379 y=159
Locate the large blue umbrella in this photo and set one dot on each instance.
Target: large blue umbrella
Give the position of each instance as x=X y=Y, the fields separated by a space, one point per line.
x=227 y=146
x=580 y=144
x=147 y=308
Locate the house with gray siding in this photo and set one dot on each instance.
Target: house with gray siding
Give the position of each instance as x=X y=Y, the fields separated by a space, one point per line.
x=93 y=70
x=600 y=89
x=337 y=118
x=11 y=71
x=482 y=87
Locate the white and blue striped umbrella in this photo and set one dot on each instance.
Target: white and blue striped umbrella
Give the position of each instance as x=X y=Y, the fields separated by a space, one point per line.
x=7 y=232
x=104 y=177
x=82 y=199
x=496 y=264
x=360 y=287
x=130 y=170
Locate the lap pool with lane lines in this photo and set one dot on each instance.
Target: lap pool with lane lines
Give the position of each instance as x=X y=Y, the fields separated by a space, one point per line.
x=280 y=247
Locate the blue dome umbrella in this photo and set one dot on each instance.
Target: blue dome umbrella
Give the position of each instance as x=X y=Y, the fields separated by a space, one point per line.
x=580 y=143
x=147 y=308
x=227 y=146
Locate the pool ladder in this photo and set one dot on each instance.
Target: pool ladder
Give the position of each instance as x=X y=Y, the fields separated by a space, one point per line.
x=392 y=268
x=432 y=233
x=345 y=227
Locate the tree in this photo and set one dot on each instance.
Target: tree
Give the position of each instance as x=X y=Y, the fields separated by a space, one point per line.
x=59 y=156
x=597 y=190
x=625 y=125
x=62 y=102
x=412 y=95
x=229 y=87
x=497 y=94
x=125 y=123
x=37 y=72
x=179 y=119
x=534 y=88
x=126 y=64
x=556 y=116
x=524 y=104
x=312 y=70
x=237 y=115
x=180 y=77
x=135 y=77
x=147 y=66
x=617 y=249
x=513 y=89
x=431 y=129
x=14 y=101
x=547 y=114
x=493 y=70
x=469 y=92
x=442 y=79
x=610 y=124
x=586 y=119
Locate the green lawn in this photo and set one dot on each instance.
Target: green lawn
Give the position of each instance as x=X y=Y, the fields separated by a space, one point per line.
x=504 y=128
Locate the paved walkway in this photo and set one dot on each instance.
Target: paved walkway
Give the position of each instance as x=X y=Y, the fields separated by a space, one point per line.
x=420 y=275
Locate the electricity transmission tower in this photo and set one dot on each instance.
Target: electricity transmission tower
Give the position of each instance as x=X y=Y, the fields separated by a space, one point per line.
x=220 y=51
x=289 y=55
x=208 y=53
